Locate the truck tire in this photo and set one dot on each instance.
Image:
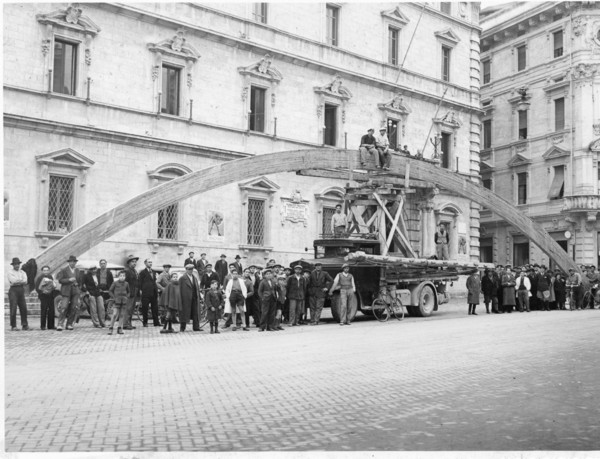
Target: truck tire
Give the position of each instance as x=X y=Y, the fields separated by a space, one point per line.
x=335 y=308
x=426 y=302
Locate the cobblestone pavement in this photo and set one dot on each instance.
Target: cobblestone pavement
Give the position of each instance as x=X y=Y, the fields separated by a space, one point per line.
x=448 y=382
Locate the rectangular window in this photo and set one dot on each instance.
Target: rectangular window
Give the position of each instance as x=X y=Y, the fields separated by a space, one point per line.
x=327 y=216
x=256 y=222
x=60 y=204
x=330 y=132
x=169 y=102
x=392 y=133
x=256 y=120
x=445 y=146
x=487 y=69
x=393 y=46
x=557 y=188
x=333 y=18
x=445 y=63
x=523 y=125
x=521 y=58
x=522 y=188
x=487 y=183
x=521 y=254
x=559 y=114
x=260 y=12
x=487 y=134
x=446 y=7
x=558 y=43
x=64 y=77
x=486 y=251
x=168 y=222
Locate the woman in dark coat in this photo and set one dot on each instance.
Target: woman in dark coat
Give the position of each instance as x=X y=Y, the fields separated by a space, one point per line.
x=508 y=290
x=474 y=290
x=560 y=291
x=172 y=299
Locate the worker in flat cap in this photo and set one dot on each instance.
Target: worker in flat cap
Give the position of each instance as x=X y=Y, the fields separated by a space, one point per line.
x=319 y=283
x=296 y=288
x=222 y=268
x=70 y=279
x=209 y=276
x=17 y=280
x=133 y=279
x=344 y=281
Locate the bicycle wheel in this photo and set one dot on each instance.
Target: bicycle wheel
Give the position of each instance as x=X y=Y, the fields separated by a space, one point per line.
x=397 y=309
x=380 y=310
x=587 y=299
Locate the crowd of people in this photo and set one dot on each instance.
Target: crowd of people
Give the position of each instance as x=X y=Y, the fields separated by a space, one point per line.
x=271 y=297
x=530 y=287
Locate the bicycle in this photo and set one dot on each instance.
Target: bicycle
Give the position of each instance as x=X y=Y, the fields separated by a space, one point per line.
x=385 y=306
x=590 y=301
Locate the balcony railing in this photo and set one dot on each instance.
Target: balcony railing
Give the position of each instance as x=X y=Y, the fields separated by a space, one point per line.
x=582 y=203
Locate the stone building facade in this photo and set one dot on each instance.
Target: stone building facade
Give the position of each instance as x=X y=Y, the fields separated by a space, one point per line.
x=541 y=126
x=103 y=101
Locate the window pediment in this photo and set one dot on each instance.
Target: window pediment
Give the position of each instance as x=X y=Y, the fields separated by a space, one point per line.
x=518 y=160
x=263 y=69
x=595 y=146
x=395 y=15
x=66 y=157
x=396 y=105
x=555 y=152
x=70 y=18
x=448 y=36
x=177 y=47
x=168 y=171
x=262 y=184
x=485 y=167
x=449 y=120
x=334 y=89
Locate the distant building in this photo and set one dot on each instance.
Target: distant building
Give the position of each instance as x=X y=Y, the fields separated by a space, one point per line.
x=541 y=126
x=104 y=101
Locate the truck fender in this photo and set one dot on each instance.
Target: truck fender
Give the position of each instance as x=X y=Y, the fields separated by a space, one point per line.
x=415 y=291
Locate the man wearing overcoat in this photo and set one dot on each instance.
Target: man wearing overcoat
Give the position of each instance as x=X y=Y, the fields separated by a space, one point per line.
x=189 y=289
x=318 y=284
x=70 y=279
x=149 y=291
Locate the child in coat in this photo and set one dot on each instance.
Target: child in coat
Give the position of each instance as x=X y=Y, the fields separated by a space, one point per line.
x=119 y=292
x=172 y=301
x=214 y=306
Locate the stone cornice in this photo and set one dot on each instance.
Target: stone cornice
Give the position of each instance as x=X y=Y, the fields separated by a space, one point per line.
x=133 y=140
x=261 y=49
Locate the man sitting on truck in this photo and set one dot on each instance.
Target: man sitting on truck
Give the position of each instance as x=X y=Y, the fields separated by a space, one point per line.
x=367 y=146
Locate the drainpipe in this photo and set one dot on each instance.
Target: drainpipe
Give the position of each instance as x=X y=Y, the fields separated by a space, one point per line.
x=572 y=103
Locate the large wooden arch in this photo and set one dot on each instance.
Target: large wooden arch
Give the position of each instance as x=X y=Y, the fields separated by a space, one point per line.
x=145 y=204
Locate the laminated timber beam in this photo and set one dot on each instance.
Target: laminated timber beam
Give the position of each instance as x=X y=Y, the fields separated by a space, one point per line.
x=379 y=177
x=147 y=203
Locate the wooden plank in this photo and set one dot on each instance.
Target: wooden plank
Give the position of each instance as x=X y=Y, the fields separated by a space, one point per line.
x=112 y=221
x=392 y=230
x=405 y=243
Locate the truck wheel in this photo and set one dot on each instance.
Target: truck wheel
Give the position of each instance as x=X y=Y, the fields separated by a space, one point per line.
x=335 y=308
x=426 y=302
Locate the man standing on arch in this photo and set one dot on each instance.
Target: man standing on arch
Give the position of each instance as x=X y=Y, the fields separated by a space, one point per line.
x=442 y=240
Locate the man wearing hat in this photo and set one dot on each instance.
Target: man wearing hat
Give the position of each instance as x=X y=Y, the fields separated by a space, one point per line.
x=345 y=282
x=190 y=259
x=442 y=240
x=367 y=147
x=17 y=279
x=221 y=268
x=209 y=276
x=133 y=279
x=296 y=288
x=267 y=292
x=238 y=265
x=162 y=282
x=383 y=148
x=149 y=294
x=319 y=282
x=69 y=279
x=339 y=222
x=508 y=289
x=593 y=278
x=91 y=286
x=201 y=265
x=189 y=289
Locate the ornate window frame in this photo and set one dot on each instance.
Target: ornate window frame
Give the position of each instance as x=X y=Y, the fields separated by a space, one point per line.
x=449 y=39
x=71 y=25
x=329 y=197
x=65 y=162
x=175 y=52
x=262 y=74
x=158 y=176
x=258 y=188
x=397 y=110
x=333 y=93
x=395 y=19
